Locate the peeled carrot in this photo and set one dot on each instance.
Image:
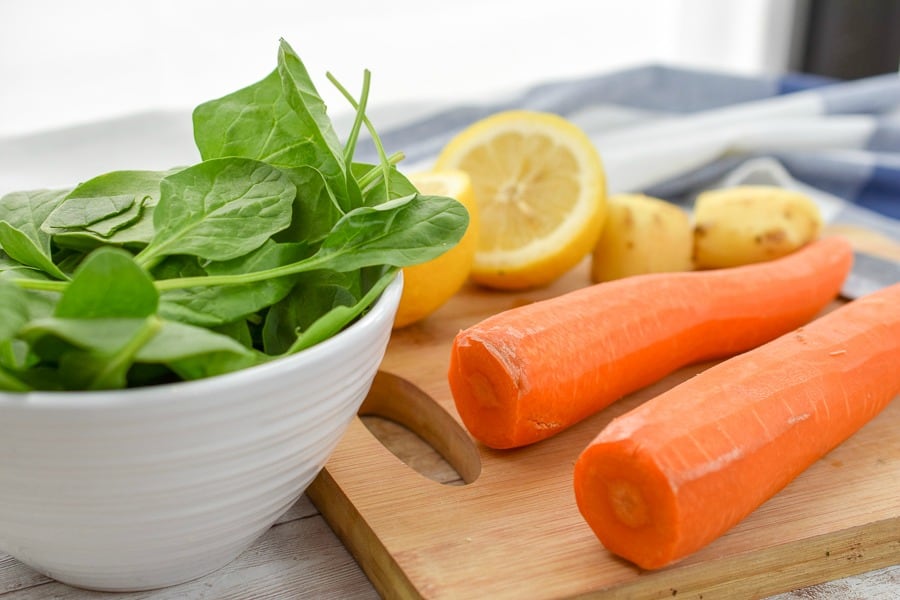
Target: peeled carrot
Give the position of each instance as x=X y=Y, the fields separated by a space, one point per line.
x=528 y=373
x=673 y=474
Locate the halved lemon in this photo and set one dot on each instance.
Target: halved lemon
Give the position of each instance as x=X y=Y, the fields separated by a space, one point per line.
x=541 y=193
x=427 y=286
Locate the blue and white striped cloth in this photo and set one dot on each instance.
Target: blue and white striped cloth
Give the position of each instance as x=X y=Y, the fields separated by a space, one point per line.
x=673 y=132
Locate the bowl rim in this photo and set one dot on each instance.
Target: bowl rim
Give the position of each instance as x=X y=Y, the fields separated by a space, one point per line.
x=383 y=308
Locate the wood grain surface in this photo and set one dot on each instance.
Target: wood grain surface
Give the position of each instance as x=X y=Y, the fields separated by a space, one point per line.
x=512 y=529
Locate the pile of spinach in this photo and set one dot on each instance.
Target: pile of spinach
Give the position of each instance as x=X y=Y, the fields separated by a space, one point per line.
x=276 y=241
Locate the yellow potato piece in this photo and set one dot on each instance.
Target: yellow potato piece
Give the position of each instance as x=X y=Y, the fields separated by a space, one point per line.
x=749 y=224
x=642 y=235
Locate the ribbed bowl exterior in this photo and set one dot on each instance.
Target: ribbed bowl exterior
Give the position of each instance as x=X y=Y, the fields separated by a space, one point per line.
x=150 y=487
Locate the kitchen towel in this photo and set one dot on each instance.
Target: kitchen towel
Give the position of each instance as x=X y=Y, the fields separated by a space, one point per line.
x=672 y=132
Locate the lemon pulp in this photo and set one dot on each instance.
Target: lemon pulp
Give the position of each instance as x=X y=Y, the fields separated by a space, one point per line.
x=540 y=189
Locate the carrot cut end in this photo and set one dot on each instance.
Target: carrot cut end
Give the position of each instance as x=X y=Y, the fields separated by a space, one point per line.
x=628 y=503
x=484 y=393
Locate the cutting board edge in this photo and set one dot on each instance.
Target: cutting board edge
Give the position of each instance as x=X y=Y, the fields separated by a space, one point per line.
x=812 y=560
x=350 y=526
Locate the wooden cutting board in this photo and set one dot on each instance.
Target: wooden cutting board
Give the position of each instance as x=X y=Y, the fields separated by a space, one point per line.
x=512 y=529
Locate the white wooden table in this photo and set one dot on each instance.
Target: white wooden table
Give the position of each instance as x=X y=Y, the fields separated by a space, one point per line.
x=300 y=557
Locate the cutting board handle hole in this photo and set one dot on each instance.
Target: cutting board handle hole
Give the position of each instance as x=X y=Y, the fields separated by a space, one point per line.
x=418 y=431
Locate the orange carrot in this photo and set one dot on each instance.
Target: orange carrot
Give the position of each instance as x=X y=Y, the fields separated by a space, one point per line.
x=672 y=475
x=527 y=373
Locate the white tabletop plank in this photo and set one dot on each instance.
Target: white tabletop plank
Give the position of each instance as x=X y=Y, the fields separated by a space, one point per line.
x=299 y=557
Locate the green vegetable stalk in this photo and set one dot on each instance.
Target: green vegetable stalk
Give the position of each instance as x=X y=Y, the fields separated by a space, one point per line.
x=276 y=241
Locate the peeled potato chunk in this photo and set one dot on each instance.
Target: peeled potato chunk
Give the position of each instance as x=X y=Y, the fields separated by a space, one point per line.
x=750 y=224
x=642 y=235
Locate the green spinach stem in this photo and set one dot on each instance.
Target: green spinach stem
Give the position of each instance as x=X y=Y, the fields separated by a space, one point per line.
x=373 y=174
x=342 y=314
x=382 y=155
x=177 y=283
x=308 y=264
x=41 y=285
x=150 y=327
x=150 y=256
x=350 y=146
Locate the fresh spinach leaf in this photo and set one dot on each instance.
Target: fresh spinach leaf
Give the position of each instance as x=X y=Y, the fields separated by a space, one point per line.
x=100 y=335
x=40 y=303
x=398 y=232
x=11 y=383
x=280 y=120
x=107 y=370
x=98 y=352
x=27 y=210
x=108 y=284
x=139 y=185
x=377 y=192
x=178 y=265
x=78 y=213
x=125 y=213
x=89 y=353
x=21 y=237
x=86 y=371
x=42 y=377
x=219 y=209
x=209 y=306
x=215 y=363
x=13 y=309
x=253 y=122
x=169 y=340
x=195 y=353
x=23 y=248
x=113 y=224
x=339 y=317
x=268 y=255
x=314 y=294
x=68 y=259
x=76 y=224
x=302 y=96
x=146 y=374
x=9 y=265
x=177 y=341
x=401 y=232
x=237 y=330
x=13 y=316
x=315 y=209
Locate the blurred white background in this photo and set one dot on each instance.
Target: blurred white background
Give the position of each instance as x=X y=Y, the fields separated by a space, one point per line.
x=64 y=63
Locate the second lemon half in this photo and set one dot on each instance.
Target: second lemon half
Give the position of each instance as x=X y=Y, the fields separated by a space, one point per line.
x=427 y=286
x=541 y=193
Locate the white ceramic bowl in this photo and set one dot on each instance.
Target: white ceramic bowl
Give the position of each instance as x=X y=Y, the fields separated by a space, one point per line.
x=150 y=487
